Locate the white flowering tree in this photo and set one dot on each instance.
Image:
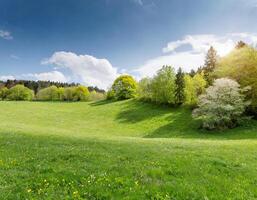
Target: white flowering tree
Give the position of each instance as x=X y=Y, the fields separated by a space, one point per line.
x=222 y=106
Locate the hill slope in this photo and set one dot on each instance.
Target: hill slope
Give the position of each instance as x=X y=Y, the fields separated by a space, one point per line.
x=117 y=150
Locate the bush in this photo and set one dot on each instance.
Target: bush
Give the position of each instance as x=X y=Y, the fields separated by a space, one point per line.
x=124 y=87
x=163 y=86
x=3 y=93
x=51 y=93
x=222 y=106
x=20 y=93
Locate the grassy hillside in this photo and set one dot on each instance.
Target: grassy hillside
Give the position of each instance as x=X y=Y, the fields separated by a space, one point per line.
x=114 y=150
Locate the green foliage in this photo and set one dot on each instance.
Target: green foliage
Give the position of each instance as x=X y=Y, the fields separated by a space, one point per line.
x=20 y=93
x=124 y=87
x=241 y=65
x=110 y=94
x=96 y=96
x=144 y=91
x=180 y=87
x=3 y=93
x=68 y=94
x=194 y=86
x=190 y=94
x=79 y=93
x=222 y=105
x=163 y=86
x=51 y=93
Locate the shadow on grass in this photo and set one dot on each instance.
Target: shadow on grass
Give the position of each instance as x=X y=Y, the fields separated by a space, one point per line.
x=134 y=111
x=101 y=102
x=183 y=126
x=178 y=122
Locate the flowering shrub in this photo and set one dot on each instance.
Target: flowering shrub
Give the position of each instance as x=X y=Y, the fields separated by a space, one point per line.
x=222 y=106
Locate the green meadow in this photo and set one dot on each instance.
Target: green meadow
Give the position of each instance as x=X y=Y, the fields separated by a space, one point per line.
x=121 y=150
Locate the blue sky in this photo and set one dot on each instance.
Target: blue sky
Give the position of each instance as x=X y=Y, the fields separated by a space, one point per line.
x=93 y=41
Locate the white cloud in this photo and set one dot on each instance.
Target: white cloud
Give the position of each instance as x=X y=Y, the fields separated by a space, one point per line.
x=194 y=57
x=46 y=76
x=250 y=38
x=7 y=77
x=201 y=43
x=5 y=35
x=86 y=68
x=186 y=60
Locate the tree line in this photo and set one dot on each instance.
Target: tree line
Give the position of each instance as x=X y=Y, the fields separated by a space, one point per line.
x=20 y=92
x=222 y=92
x=39 y=85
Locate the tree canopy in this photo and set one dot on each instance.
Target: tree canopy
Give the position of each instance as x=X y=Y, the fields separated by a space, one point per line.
x=19 y=93
x=241 y=65
x=163 y=85
x=124 y=87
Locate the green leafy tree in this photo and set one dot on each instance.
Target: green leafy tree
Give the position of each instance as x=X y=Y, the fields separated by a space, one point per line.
x=189 y=91
x=180 y=86
x=241 y=65
x=68 y=94
x=124 y=87
x=81 y=93
x=144 y=91
x=3 y=93
x=96 y=96
x=20 y=93
x=222 y=106
x=78 y=93
x=199 y=83
x=194 y=86
x=110 y=94
x=51 y=93
x=163 y=86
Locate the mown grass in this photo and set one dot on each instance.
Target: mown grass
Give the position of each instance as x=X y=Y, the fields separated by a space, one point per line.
x=121 y=150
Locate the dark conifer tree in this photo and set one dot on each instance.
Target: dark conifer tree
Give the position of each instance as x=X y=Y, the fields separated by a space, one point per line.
x=240 y=44
x=210 y=64
x=180 y=86
x=192 y=73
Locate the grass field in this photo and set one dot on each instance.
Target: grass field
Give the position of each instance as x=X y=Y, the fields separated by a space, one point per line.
x=121 y=150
